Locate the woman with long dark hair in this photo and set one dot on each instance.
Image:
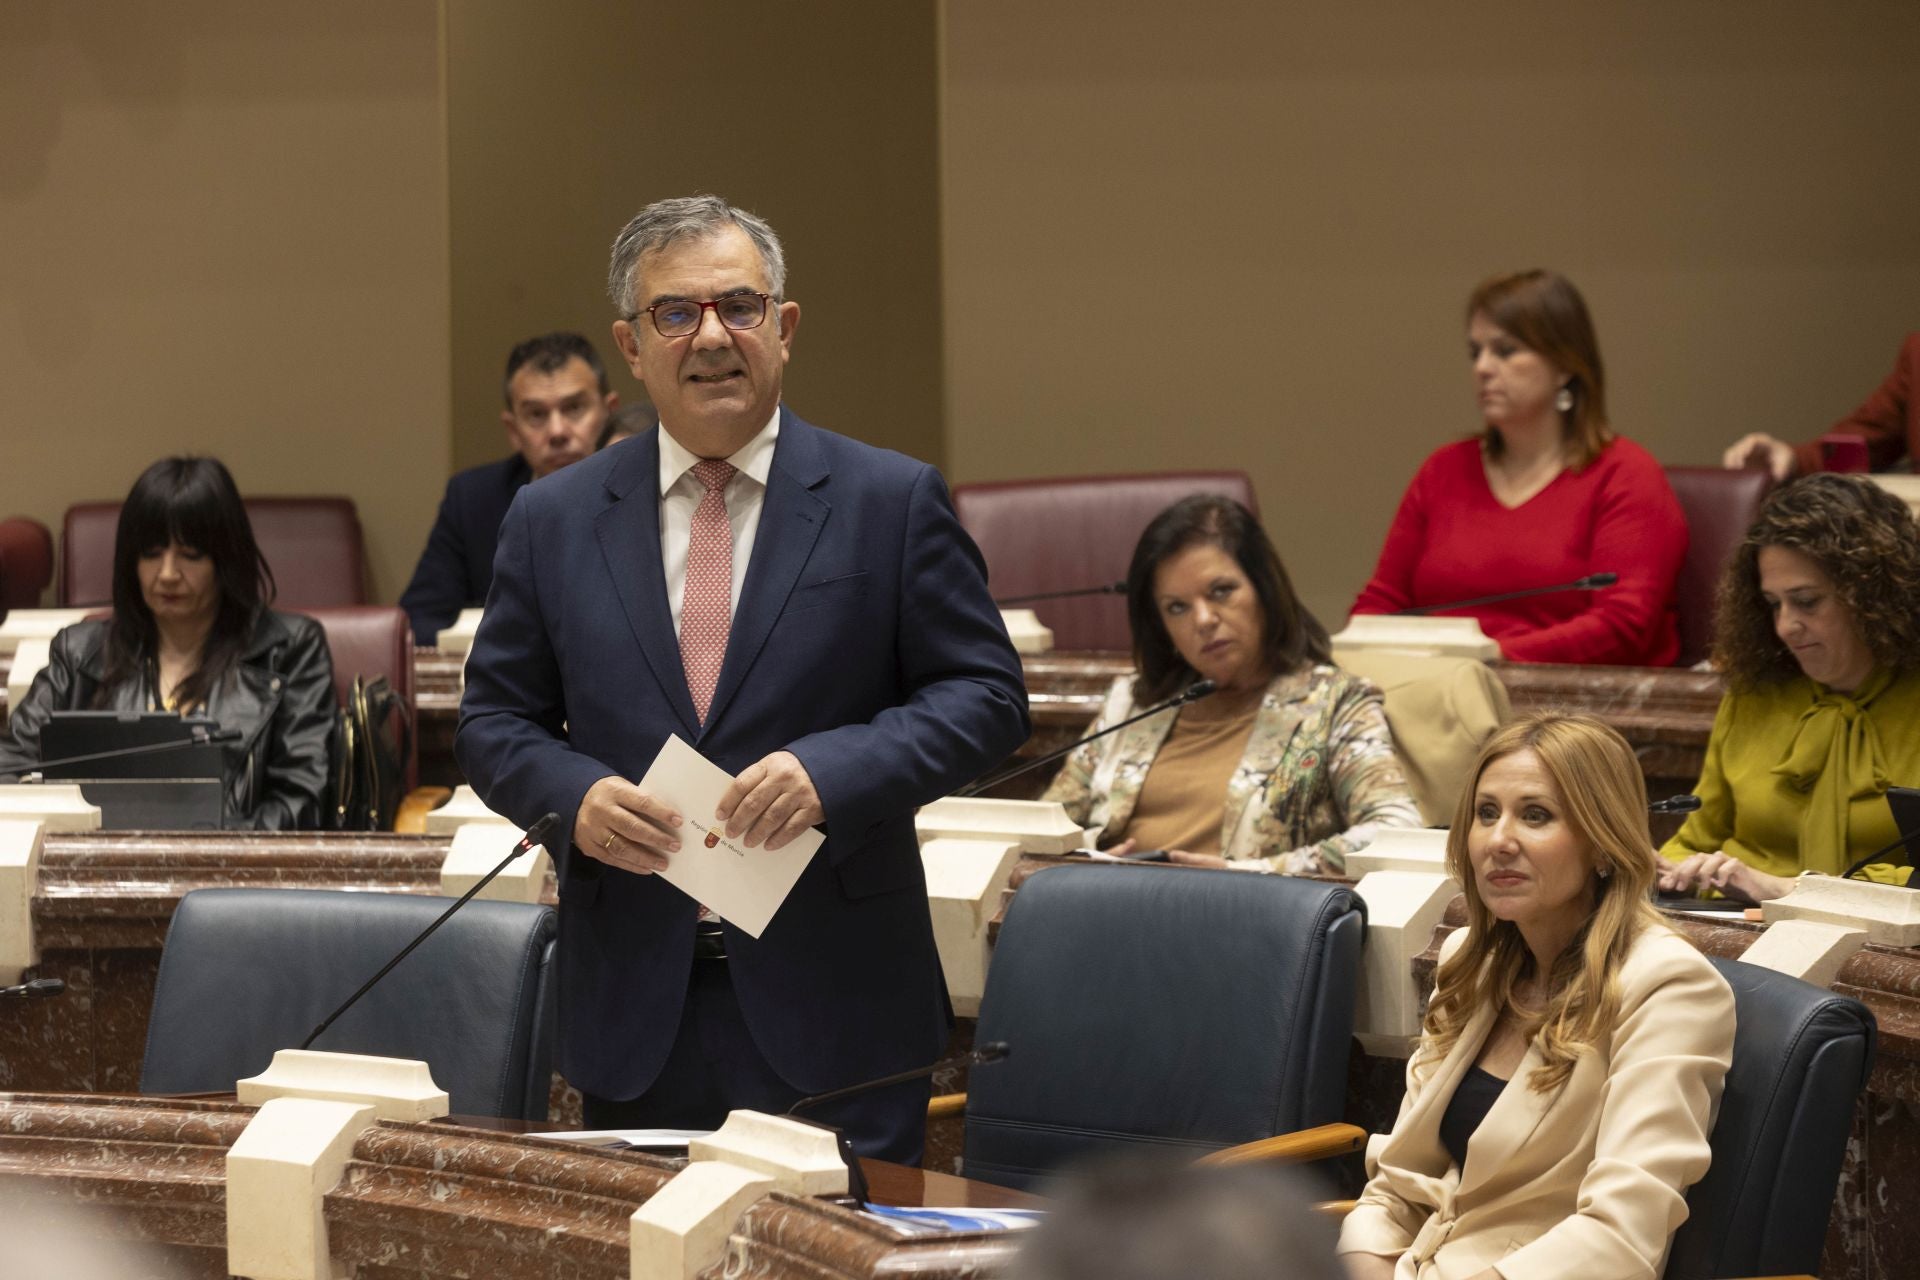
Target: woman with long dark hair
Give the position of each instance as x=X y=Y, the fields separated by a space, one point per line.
x=192 y=632
x=1288 y=767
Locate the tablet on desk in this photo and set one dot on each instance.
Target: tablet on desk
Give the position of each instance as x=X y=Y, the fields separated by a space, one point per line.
x=179 y=785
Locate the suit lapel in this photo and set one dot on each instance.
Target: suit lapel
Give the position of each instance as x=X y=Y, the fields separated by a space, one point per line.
x=1438 y=1091
x=629 y=534
x=1509 y=1123
x=791 y=519
x=1274 y=726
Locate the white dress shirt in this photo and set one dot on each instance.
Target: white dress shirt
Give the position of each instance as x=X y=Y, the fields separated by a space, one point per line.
x=681 y=491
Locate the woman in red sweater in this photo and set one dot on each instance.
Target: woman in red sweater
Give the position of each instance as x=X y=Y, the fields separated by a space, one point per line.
x=1546 y=494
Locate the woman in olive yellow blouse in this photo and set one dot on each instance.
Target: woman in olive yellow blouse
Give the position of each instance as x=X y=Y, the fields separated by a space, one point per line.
x=1819 y=637
x=1288 y=767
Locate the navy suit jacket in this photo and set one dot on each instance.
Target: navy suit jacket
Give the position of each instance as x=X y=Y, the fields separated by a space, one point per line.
x=864 y=642
x=457 y=567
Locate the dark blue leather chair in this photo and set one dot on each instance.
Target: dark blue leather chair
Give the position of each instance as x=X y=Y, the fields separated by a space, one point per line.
x=246 y=972
x=1801 y=1055
x=1161 y=1008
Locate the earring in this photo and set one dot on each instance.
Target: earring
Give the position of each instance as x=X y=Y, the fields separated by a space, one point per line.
x=1603 y=872
x=1564 y=401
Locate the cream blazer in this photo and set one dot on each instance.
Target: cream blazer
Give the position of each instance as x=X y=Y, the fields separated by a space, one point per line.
x=1585 y=1181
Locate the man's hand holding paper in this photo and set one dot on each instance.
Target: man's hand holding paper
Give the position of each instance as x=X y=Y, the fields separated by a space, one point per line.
x=772 y=802
x=624 y=827
x=743 y=885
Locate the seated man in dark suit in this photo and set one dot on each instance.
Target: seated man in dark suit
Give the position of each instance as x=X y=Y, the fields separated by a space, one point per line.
x=557 y=406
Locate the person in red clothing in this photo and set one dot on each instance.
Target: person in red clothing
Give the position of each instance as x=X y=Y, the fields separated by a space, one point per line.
x=1546 y=494
x=1889 y=422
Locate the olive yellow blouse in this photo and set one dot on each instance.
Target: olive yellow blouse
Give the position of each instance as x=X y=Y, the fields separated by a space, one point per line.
x=1796 y=777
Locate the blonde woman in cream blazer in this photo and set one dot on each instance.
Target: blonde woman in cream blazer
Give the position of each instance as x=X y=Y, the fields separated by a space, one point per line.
x=1587 y=1178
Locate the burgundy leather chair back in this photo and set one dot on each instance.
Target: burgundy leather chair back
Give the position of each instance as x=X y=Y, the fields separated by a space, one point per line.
x=1720 y=507
x=373 y=640
x=26 y=563
x=1077 y=531
x=313 y=545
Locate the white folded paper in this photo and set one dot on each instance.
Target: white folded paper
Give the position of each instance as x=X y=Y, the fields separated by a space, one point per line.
x=744 y=886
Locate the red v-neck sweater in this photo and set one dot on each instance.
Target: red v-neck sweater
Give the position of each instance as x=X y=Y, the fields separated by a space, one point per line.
x=1452 y=540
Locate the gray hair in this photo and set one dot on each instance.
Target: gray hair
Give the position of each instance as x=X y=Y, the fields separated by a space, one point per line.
x=686 y=218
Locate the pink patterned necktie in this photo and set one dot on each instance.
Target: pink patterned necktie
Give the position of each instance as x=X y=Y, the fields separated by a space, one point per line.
x=706 y=605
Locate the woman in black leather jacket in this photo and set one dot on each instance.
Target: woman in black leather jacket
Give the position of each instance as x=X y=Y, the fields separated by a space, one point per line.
x=191 y=632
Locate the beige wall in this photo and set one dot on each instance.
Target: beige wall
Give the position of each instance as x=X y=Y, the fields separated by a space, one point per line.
x=1226 y=232
x=224 y=231
x=565 y=118
x=280 y=236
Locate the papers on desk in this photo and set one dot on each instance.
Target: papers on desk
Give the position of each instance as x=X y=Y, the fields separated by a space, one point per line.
x=743 y=886
x=941 y=1222
x=669 y=1141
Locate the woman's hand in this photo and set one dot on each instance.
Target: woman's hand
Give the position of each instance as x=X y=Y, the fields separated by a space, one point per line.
x=1186 y=859
x=1682 y=876
x=1725 y=873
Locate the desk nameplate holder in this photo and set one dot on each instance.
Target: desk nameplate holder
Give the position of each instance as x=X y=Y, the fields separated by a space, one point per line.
x=313 y=1107
x=1418 y=635
x=1402 y=877
x=969 y=847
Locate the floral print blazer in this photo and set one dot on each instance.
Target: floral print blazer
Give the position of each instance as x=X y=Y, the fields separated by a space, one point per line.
x=1319 y=775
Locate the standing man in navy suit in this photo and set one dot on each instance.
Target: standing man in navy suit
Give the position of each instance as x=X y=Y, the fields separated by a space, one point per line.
x=557 y=411
x=807 y=612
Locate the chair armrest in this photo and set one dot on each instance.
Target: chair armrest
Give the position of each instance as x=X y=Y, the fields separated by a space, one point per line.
x=1293 y=1148
x=411 y=817
x=946 y=1104
x=1335 y=1208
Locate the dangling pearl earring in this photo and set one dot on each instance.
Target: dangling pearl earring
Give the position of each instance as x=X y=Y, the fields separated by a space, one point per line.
x=1564 y=401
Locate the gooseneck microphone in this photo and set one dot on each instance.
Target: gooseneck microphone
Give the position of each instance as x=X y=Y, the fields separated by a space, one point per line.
x=536 y=835
x=1192 y=693
x=38 y=989
x=1878 y=854
x=1106 y=589
x=1592 y=582
x=201 y=737
x=992 y=1051
x=1675 y=804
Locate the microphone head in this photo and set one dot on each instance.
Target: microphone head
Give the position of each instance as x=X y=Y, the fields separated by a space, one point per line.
x=539 y=831
x=1197 y=690
x=40 y=988
x=1601 y=579
x=992 y=1051
x=1675 y=804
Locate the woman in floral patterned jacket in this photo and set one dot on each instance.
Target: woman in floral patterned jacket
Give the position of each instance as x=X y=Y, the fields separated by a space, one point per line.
x=1287 y=767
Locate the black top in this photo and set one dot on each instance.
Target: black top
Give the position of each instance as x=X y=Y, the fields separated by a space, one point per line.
x=1471 y=1101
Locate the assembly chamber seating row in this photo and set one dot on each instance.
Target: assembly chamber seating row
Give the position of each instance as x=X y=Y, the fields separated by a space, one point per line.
x=104 y=901
x=438 y=1200
x=1665 y=713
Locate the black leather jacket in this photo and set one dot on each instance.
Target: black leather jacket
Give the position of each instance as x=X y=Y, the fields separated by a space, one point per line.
x=280 y=696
